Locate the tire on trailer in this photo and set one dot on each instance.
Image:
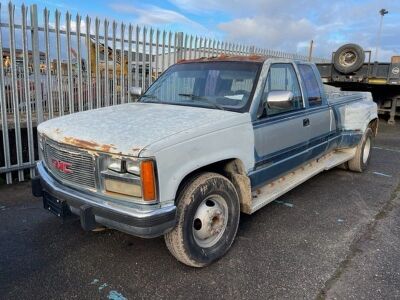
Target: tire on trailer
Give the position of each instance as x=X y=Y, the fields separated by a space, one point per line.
x=348 y=58
x=208 y=211
x=363 y=153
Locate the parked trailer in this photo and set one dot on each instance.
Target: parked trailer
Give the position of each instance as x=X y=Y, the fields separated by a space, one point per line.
x=351 y=69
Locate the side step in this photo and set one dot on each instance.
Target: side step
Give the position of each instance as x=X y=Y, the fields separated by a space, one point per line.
x=271 y=191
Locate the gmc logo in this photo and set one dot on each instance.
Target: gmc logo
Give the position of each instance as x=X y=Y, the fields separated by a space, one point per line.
x=61 y=166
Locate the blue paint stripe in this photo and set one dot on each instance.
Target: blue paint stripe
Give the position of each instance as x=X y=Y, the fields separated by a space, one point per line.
x=288 y=116
x=292 y=150
x=277 y=164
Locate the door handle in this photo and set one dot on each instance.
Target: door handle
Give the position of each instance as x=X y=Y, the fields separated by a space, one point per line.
x=306 y=122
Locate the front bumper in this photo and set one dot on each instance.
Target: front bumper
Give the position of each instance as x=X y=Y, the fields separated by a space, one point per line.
x=144 y=220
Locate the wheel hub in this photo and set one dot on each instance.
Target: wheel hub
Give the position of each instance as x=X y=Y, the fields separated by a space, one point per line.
x=347 y=58
x=367 y=149
x=210 y=221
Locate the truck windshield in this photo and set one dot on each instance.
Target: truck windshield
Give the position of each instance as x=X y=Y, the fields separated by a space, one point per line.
x=218 y=85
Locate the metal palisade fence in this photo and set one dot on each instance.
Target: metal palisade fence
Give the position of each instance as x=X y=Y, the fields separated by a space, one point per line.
x=57 y=64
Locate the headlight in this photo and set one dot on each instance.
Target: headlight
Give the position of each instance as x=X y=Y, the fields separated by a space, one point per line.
x=130 y=177
x=133 y=167
x=124 y=166
x=116 y=165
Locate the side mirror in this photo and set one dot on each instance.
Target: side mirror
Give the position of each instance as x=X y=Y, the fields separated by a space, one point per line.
x=280 y=99
x=136 y=91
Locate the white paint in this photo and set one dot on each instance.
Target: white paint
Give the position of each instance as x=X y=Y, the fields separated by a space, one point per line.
x=187 y=151
x=381 y=174
x=356 y=115
x=386 y=149
x=284 y=203
x=131 y=127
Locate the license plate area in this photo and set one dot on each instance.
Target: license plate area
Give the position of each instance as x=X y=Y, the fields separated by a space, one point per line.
x=56 y=206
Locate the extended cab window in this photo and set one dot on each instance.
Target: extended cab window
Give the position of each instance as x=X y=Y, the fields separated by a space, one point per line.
x=281 y=78
x=312 y=86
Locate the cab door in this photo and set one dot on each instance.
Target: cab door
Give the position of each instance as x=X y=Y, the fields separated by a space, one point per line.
x=281 y=135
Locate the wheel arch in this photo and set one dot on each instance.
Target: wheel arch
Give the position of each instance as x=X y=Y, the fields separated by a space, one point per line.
x=374 y=124
x=234 y=170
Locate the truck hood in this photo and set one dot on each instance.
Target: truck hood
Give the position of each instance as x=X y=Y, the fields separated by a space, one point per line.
x=128 y=128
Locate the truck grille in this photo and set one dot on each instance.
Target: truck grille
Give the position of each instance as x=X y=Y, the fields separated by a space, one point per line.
x=69 y=164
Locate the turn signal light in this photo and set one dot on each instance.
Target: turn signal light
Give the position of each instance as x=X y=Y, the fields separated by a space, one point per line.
x=148 y=179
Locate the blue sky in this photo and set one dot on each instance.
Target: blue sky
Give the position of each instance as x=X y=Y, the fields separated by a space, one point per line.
x=286 y=25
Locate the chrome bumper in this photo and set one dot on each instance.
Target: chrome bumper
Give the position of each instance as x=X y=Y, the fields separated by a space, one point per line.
x=143 y=220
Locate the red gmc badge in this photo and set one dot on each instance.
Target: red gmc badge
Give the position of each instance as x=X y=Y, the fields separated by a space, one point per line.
x=61 y=166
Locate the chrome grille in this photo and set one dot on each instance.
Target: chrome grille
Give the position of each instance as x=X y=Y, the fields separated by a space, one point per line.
x=81 y=164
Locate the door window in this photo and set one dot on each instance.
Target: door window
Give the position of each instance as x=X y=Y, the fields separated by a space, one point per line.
x=282 y=77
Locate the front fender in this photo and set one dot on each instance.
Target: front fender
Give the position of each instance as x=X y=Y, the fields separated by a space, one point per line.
x=178 y=160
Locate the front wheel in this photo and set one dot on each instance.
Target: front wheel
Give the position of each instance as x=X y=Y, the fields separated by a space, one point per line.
x=208 y=218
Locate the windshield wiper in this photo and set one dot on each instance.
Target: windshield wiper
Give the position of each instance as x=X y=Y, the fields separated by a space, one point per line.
x=150 y=96
x=200 y=98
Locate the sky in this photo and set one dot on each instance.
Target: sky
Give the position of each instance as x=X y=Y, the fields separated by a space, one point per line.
x=285 y=25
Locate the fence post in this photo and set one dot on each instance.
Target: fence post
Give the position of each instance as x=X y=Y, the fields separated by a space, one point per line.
x=179 y=46
x=252 y=49
x=36 y=63
x=310 y=50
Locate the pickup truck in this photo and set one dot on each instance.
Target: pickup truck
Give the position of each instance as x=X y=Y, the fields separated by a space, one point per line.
x=209 y=139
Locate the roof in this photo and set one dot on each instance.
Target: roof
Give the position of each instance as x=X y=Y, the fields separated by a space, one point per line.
x=222 y=57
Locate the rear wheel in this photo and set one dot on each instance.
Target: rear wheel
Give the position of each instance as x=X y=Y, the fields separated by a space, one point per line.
x=208 y=218
x=360 y=161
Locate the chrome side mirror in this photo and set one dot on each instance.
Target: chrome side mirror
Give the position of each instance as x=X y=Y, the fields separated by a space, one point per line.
x=280 y=99
x=136 y=91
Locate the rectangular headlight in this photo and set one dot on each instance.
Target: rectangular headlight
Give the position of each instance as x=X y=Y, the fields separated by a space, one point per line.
x=133 y=167
x=122 y=187
x=130 y=177
x=116 y=165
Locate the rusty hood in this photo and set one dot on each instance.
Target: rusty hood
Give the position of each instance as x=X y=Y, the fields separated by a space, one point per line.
x=128 y=128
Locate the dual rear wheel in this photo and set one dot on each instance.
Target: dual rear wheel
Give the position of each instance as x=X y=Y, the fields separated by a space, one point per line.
x=360 y=161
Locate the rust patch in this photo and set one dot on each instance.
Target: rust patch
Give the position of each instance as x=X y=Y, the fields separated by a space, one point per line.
x=224 y=57
x=88 y=144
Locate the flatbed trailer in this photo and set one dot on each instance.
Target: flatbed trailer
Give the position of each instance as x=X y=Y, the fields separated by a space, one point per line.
x=381 y=79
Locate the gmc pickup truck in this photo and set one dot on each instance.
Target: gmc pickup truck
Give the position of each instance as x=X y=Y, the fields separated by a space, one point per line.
x=209 y=139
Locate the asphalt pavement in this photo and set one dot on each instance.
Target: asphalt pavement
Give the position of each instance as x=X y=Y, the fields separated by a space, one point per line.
x=337 y=236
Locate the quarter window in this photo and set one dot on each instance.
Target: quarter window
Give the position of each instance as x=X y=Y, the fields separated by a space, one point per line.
x=312 y=86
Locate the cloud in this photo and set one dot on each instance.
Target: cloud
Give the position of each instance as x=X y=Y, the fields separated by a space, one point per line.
x=289 y=25
x=274 y=32
x=155 y=16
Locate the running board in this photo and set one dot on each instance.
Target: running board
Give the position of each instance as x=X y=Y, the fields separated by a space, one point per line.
x=271 y=191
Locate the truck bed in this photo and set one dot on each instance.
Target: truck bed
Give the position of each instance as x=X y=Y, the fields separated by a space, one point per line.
x=350 y=111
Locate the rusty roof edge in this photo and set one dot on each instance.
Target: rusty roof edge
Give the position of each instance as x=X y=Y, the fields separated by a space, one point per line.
x=223 y=57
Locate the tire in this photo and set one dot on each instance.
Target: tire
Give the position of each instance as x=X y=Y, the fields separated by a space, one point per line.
x=363 y=153
x=208 y=211
x=349 y=58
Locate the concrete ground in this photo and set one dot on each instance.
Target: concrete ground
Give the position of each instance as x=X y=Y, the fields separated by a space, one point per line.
x=335 y=236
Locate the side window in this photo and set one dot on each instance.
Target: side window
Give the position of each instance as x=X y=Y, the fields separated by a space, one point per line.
x=282 y=77
x=312 y=86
